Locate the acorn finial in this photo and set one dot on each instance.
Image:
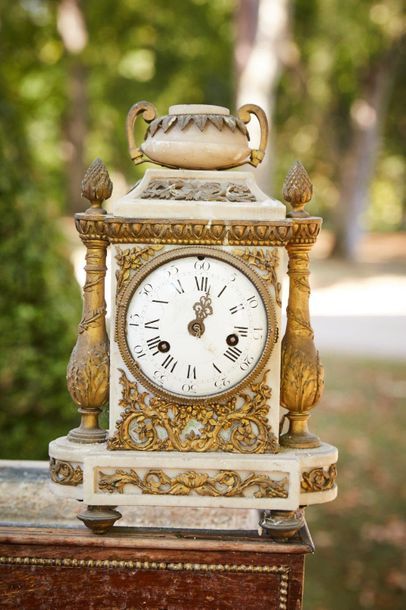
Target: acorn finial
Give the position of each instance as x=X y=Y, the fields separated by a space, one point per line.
x=297 y=190
x=96 y=186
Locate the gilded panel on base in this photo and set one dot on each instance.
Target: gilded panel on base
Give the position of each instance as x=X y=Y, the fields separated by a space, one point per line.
x=224 y=483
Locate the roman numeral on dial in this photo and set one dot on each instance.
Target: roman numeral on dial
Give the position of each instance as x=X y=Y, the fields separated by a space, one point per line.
x=153 y=344
x=191 y=372
x=170 y=363
x=152 y=324
x=242 y=330
x=233 y=353
x=236 y=308
x=202 y=283
x=178 y=287
x=221 y=291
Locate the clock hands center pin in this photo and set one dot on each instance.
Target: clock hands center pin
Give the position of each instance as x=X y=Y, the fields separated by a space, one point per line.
x=202 y=308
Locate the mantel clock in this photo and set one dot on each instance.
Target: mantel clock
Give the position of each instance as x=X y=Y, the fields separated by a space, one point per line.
x=195 y=370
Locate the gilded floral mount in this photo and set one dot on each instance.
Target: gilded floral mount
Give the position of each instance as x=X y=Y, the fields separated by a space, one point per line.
x=65 y=473
x=197 y=190
x=225 y=483
x=239 y=425
x=319 y=479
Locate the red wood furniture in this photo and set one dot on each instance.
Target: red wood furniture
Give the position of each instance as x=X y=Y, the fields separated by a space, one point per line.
x=150 y=568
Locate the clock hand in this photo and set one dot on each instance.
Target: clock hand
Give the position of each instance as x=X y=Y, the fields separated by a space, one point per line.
x=202 y=308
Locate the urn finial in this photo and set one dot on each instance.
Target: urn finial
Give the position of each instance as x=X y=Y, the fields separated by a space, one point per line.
x=297 y=190
x=96 y=186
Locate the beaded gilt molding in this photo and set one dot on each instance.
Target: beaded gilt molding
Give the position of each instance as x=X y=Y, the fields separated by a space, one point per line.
x=223 y=483
x=238 y=425
x=280 y=571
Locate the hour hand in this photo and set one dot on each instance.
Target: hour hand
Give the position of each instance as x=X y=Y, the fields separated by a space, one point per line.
x=202 y=308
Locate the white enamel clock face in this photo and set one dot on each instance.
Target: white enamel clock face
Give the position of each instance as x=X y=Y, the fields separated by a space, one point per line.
x=196 y=325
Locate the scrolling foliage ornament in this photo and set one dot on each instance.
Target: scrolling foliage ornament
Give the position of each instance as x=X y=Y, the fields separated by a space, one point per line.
x=239 y=425
x=65 y=473
x=266 y=261
x=130 y=260
x=319 y=479
x=226 y=483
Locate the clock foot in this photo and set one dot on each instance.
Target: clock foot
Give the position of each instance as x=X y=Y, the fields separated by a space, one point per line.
x=99 y=519
x=281 y=524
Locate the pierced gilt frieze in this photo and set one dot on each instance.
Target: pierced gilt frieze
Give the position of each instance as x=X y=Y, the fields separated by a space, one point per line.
x=197 y=190
x=239 y=425
x=266 y=261
x=131 y=259
x=224 y=483
x=65 y=473
x=319 y=479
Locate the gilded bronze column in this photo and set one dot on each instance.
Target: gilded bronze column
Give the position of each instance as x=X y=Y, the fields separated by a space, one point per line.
x=88 y=368
x=301 y=371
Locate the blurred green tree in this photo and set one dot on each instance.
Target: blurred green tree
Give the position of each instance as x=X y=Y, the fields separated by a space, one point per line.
x=40 y=301
x=337 y=111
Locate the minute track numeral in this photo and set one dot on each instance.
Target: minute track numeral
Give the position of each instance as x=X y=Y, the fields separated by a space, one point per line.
x=153 y=344
x=152 y=324
x=232 y=353
x=252 y=302
x=169 y=363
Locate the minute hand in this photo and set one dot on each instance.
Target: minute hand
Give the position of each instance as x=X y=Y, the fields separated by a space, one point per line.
x=202 y=308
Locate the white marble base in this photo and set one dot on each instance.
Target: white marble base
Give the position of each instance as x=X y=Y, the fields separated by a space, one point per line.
x=263 y=209
x=288 y=463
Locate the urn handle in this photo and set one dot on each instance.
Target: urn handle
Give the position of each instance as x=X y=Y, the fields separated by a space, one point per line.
x=244 y=113
x=149 y=113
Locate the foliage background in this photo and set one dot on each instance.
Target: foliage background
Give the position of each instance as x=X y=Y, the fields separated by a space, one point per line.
x=69 y=71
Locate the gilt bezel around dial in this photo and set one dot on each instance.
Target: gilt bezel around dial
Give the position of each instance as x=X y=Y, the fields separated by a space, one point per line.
x=124 y=303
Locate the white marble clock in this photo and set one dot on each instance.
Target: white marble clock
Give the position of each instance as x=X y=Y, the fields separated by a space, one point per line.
x=194 y=369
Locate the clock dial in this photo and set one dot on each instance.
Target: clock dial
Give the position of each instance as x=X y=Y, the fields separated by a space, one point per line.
x=196 y=324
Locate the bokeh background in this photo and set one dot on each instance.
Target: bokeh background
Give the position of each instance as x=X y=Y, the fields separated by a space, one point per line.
x=330 y=75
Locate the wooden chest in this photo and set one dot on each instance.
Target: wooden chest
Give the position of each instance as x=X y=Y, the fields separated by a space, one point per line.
x=150 y=568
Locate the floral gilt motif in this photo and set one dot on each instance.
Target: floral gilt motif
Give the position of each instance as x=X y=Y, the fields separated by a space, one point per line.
x=197 y=190
x=267 y=261
x=65 y=473
x=131 y=259
x=319 y=479
x=154 y=424
x=225 y=483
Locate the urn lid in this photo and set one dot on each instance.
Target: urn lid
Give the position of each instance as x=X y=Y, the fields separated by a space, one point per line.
x=198 y=109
